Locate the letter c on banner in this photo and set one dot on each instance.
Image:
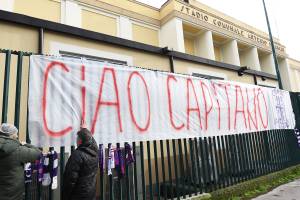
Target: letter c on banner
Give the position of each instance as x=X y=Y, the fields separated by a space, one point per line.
x=141 y=129
x=44 y=100
x=170 y=103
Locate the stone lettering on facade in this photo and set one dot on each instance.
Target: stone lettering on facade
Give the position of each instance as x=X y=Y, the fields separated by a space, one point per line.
x=228 y=26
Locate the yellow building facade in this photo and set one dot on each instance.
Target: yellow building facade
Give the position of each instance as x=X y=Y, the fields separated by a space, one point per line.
x=182 y=36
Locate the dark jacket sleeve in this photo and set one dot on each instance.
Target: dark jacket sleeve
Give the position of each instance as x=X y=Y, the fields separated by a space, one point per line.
x=71 y=174
x=28 y=153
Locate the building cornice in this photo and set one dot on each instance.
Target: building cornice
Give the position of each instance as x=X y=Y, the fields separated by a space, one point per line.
x=86 y=34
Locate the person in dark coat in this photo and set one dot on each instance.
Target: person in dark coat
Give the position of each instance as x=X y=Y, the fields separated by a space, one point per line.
x=13 y=156
x=79 y=180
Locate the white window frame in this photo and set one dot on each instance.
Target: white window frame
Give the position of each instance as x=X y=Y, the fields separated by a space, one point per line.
x=57 y=47
x=192 y=70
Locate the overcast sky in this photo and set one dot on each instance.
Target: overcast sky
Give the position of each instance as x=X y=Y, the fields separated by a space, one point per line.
x=284 y=16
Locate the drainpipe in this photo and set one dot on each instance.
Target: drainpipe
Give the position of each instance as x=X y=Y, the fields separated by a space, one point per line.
x=41 y=41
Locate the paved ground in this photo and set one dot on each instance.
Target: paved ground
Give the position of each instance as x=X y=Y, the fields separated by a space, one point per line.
x=290 y=191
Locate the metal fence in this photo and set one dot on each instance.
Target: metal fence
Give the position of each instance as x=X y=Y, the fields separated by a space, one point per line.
x=164 y=169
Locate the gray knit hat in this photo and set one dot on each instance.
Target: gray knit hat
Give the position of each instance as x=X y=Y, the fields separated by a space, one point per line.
x=8 y=129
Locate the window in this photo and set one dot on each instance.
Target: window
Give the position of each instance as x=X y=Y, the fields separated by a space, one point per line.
x=93 y=58
x=209 y=77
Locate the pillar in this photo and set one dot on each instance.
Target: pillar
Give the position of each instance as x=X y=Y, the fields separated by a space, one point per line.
x=230 y=53
x=204 y=45
x=250 y=58
x=171 y=35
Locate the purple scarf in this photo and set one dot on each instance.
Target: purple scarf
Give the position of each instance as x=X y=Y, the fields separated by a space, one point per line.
x=128 y=154
x=101 y=158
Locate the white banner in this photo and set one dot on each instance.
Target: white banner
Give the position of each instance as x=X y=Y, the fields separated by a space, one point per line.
x=125 y=104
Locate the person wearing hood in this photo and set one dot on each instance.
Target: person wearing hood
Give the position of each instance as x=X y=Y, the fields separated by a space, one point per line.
x=79 y=179
x=13 y=156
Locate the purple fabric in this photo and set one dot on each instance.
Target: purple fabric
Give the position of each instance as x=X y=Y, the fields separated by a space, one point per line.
x=117 y=161
x=297 y=133
x=128 y=154
x=40 y=167
x=101 y=158
x=121 y=163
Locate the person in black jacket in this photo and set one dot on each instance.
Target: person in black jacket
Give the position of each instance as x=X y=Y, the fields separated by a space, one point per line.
x=79 y=179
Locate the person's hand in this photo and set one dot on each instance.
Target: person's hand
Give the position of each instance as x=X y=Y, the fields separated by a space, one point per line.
x=83 y=124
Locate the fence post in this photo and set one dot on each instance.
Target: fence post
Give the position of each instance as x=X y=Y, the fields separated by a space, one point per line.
x=18 y=89
x=6 y=86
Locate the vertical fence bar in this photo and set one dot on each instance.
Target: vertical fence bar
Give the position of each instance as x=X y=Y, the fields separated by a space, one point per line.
x=244 y=157
x=162 y=155
x=209 y=181
x=110 y=177
x=221 y=165
x=188 y=168
x=181 y=165
x=143 y=170
x=199 y=182
x=283 y=145
x=226 y=174
x=266 y=161
x=279 y=151
x=255 y=149
x=229 y=163
x=62 y=167
x=119 y=176
x=282 y=149
x=149 y=170
x=218 y=159
x=170 y=169
x=175 y=168
x=6 y=86
x=287 y=150
x=193 y=178
x=257 y=153
x=236 y=151
x=212 y=160
x=274 y=148
x=240 y=158
x=156 y=170
x=204 y=173
x=235 y=162
x=50 y=189
x=136 y=195
x=268 y=136
x=250 y=155
x=102 y=175
x=263 y=146
x=18 y=89
x=128 y=192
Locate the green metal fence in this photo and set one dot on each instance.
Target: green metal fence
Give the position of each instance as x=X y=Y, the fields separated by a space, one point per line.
x=170 y=169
